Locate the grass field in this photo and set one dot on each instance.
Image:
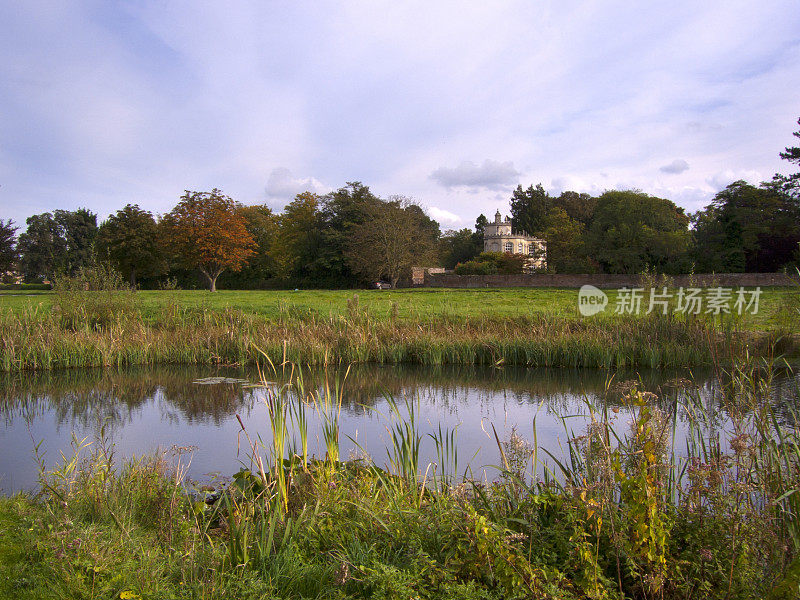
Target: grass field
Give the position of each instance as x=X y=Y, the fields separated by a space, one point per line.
x=531 y=327
x=414 y=304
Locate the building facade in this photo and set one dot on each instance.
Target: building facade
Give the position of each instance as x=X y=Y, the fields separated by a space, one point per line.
x=499 y=237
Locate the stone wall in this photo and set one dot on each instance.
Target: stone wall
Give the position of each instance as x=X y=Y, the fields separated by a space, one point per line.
x=449 y=280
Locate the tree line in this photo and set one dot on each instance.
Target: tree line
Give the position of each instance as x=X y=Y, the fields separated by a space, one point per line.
x=350 y=237
x=347 y=238
x=745 y=228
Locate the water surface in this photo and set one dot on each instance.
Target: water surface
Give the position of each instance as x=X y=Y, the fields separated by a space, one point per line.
x=138 y=410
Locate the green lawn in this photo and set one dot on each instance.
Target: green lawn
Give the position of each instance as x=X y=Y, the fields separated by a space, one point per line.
x=775 y=306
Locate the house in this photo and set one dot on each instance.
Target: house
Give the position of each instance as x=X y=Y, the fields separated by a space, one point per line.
x=499 y=237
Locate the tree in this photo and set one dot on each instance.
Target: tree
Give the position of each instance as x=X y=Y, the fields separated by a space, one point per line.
x=393 y=237
x=579 y=207
x=207 y=232
x=341 y=212
x=130 y=239
x=42 y=248
x=632 y=231
x=790 y=184
x=298 y=236
x=566 y=244
x=8 y=246
x=747 y=228
x=459 y=246
x=79 y=230
x=529 y=209
x=262 y=225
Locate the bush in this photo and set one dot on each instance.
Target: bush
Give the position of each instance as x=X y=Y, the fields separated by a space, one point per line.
x=96 y=297
x=491 y=263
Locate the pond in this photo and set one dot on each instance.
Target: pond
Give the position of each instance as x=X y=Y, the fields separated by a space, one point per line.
x=138 y=410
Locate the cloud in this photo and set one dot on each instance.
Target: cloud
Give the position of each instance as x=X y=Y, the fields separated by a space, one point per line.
x=724 y=178
x=281 y=184
x=676 y=167
x=491 y=175
x=444 y=216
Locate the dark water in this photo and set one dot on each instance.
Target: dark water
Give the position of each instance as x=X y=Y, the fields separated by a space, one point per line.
x=141 y=409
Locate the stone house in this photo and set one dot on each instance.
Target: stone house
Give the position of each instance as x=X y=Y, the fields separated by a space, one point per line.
x=499 y=237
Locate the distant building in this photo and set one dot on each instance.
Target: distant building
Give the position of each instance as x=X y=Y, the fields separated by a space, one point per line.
x=498 y=237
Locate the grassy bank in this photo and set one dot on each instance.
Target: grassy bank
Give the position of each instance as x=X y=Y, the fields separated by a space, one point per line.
x=519 y=327
x=622 y=515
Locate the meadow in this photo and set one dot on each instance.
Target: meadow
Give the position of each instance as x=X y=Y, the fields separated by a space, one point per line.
x=541 y=327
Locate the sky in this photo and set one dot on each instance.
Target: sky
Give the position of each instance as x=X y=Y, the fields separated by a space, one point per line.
x=453 y=104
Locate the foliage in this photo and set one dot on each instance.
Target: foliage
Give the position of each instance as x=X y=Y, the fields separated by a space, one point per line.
x=493 y=263
x=298 y=237
x=130 y=239
x=393 y=237
x=79 y=229
x=566 y=244
x=8 y=246
x=460 y=246
x=790 y=184
x=42 y=248
x=747 y=228
x=262 y=225
x=207 y=231
x=631 y=231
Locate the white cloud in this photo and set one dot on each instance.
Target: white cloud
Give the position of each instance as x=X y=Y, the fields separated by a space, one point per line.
x=282 y=185
x=676 y=167
x=444 y=216
x=490 y=175
x=722 y=179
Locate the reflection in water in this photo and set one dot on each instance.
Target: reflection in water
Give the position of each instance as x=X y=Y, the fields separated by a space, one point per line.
x=142 y=408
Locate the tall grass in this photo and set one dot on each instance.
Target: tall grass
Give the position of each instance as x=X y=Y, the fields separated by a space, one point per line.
x=82 y=336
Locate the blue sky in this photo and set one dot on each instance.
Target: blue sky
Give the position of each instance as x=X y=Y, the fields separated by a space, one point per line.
x=451 y=103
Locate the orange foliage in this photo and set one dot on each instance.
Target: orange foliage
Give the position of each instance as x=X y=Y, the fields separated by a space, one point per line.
x=206 y=230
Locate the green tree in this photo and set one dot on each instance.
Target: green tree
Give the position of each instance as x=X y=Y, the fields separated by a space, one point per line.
x=579 y=207
x=261 y=267
x=632 y=231
x=529 y=209
x=747 y=228
x=459 y=246
x=493 y=263
x=790 y=184
x=298 y=238
x=340 y=213
x=566 y=244
x=79 y=230
x=130 y=239
x=8 y=246
x=206 y=231
x=42 y=248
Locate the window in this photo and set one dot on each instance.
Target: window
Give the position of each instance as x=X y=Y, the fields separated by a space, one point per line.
x=509 y=247
x=521 y=248
x=532 y=249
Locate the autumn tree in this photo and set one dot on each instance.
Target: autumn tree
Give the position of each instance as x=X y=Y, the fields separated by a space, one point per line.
x=130 y=239
x=207 y=231
x=393 y=237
